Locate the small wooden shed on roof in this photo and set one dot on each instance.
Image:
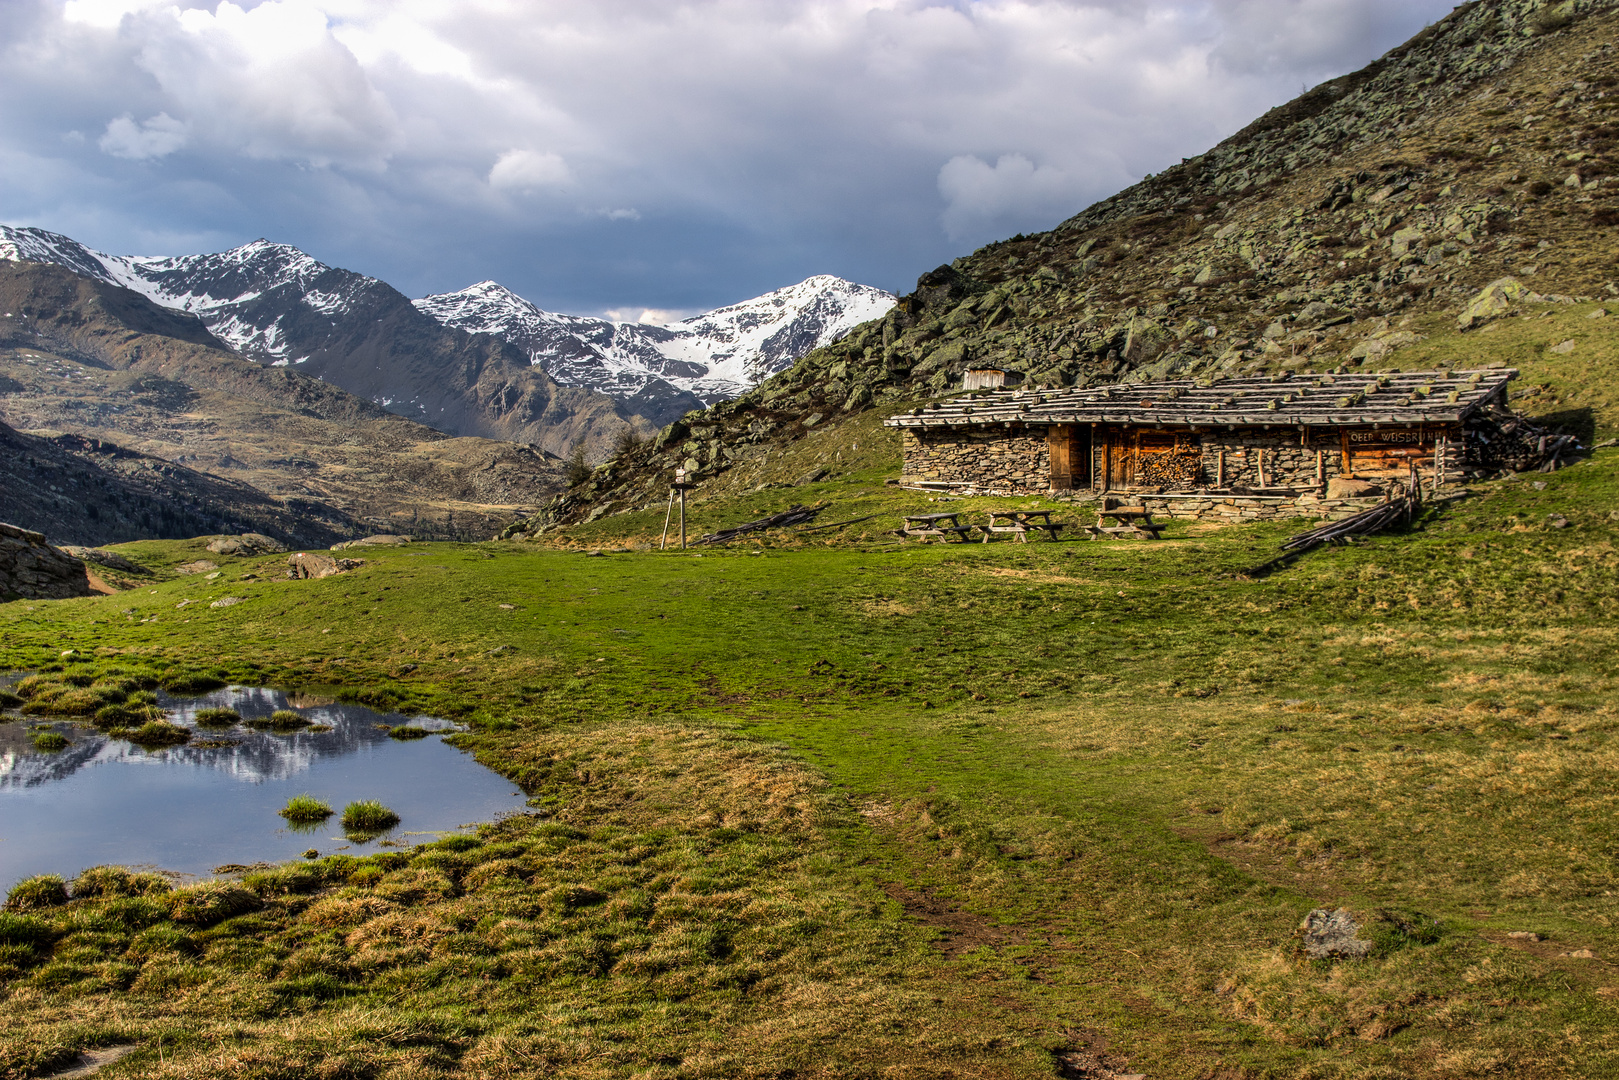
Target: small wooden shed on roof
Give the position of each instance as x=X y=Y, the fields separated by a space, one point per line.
x=1289 y=433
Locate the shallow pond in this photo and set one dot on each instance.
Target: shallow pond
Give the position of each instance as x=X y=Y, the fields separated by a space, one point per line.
x=214 y=801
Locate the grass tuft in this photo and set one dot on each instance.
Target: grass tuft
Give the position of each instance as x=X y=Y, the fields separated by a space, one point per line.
x=407 y=731
x=155 y=733
x=192 y=683
x=37 y=893
x=280 y=720
x=217 y=718
x=368 y=816
x=115 y=881
x=50 y=740
x=305 y=809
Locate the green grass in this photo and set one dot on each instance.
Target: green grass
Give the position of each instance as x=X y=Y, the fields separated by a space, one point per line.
x=967 y=804
x=368 y=816
x=217 y=718
x=305 y=809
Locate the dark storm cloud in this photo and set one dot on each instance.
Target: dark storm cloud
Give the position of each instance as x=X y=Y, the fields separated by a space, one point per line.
x=631 y=153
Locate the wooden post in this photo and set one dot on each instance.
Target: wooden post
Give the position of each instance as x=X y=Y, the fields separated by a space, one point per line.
x=1219 y=469
x=1438 y=462
x=682 y=517
x=667 y=517
x=1320 y=468
x=1262 y=468
x=1107 y=460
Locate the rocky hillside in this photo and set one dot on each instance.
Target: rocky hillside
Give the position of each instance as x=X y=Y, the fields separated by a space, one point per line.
x=1317 y=237
x=80 y=490
x=679 y=366
x=214 y=439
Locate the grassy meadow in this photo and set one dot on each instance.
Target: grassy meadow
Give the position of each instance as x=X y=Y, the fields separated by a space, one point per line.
x=831 y=805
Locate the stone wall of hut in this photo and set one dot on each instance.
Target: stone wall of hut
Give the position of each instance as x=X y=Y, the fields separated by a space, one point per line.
x=991 y=460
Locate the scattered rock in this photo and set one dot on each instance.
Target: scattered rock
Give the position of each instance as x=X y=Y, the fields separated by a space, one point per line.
x=312 y=853
x=594 y=553
x=201 y=566
x=1349 y=487
x=380 y=540
x=508 y=607
x=1330 y=934
x=247 y=544
x=227 y=601
x=1525 y=935
x=183 y=603
x=31 y=569
x=1563 y=348
x=309 y=564
x=1538 y=485
x=1581 y=954
x=1557 y=521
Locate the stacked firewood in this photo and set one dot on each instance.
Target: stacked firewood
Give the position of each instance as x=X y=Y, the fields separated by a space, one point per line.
x=1172 y=468
x=1508 y=441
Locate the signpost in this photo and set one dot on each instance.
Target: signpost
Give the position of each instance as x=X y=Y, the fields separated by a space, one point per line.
x=680 y=485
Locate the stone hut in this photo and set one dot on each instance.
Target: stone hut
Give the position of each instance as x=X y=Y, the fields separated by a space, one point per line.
x=1278 y=439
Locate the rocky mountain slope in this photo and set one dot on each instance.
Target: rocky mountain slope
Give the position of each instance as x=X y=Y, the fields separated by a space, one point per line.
x=88 y=364
x=711 y=357
x=281 y=308
x=1330 y=233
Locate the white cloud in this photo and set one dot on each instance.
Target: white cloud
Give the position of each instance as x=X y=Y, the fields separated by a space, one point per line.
x=154 y=138
x=755 y=142
x=526 y=170
x=655 y=316
x=978 y=194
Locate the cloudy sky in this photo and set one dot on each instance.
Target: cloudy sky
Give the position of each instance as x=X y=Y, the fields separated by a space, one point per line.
x=619 y=156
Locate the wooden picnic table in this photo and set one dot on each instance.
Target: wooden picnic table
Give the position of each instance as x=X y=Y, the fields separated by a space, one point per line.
x=1129 y=521
x=940 y=525
x=1021 y=522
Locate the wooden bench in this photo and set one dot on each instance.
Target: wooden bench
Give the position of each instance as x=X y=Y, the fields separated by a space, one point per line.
x=1020 y=523
x=1132 y=522
x=941 y=525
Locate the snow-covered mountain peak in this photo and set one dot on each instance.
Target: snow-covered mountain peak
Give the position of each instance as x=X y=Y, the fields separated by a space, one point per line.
x=716 y=355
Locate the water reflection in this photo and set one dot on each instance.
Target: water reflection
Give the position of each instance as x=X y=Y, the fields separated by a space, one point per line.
x=214 y=800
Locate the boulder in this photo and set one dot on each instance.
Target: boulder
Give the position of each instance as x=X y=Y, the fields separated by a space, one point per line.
x=201 y=566
x=31 y=569
x=380 y=540
x=247 y=544
x=1332 y=934
x=111 y=560
x=1349 y=487
x=310 y=564
x=1495 y=299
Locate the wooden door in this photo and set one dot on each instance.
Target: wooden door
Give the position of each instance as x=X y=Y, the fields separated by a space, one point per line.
x=1060 y=448
x=1121 y=458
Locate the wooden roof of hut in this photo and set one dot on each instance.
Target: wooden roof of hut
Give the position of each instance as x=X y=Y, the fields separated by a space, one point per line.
x=1414 y=397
